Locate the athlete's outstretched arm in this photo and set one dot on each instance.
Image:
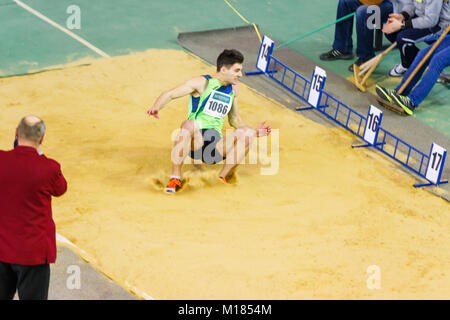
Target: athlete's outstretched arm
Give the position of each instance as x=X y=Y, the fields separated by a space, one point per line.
x=234 y=119
x=194 y=85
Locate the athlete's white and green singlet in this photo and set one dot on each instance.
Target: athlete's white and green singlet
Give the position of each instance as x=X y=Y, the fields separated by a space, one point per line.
x=209 y=110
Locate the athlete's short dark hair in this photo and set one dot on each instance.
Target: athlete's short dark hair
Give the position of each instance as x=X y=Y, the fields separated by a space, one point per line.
x=228 y=57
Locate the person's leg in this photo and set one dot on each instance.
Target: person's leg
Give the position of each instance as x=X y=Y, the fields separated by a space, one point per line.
x=419 y=57
x=189 y=138
x=386 y=8
x=366 y=19
x=406 y=40
x=8 y=281
x=438 y=63
x=234 y=148
x=392 y=37
x=343 y=30
x=364 y=46
x=364 y=31
x=32 y=281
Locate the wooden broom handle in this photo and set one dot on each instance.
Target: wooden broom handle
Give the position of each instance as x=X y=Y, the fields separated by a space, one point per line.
x=366 y=65
x=411 y=76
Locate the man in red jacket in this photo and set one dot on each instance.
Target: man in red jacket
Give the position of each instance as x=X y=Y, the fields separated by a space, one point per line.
x=28 y=180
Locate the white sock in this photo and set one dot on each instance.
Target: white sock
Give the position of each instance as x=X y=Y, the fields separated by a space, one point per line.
x=176 y=177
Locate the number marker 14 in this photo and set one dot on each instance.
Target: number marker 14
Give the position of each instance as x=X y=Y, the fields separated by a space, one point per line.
x=264 y=52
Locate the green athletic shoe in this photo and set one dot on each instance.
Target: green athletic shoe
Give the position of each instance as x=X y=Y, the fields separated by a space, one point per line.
x=383 y=93
x=404 y=102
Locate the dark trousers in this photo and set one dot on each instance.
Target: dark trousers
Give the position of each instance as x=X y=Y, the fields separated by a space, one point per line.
x=31 y=282
x=406 y=40
x=439 y=60
x=344 y=29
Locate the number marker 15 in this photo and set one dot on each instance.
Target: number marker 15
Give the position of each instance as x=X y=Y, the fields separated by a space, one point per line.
x=317 y=83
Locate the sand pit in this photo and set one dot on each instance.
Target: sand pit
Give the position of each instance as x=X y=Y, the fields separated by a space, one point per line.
x=309 y=231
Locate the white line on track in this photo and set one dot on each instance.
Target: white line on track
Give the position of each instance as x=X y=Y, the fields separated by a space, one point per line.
x=140 y=293
x=64 y=240
x=71 y=34
x=136 y=291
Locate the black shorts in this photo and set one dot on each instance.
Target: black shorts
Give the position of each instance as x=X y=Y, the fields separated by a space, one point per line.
x=208 y=152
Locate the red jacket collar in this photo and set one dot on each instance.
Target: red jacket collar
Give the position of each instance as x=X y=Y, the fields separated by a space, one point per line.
x=25 y=149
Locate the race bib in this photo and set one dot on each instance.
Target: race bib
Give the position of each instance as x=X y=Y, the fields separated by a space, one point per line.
x=218 y=104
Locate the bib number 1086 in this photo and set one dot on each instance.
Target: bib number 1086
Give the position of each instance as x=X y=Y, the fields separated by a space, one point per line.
x=218 y=107
x=218 y=104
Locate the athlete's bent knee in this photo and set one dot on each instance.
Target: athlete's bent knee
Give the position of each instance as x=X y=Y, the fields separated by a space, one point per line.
x=189 y=125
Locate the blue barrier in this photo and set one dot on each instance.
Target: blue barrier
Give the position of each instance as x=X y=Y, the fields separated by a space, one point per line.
x=392 y=146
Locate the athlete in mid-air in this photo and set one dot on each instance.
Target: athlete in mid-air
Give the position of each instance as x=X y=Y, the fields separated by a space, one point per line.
x=212 y=98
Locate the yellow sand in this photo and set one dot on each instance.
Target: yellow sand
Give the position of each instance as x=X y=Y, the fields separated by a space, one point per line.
x=310 y=231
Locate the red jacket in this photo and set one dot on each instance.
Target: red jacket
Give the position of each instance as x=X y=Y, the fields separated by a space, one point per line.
x=27 y=183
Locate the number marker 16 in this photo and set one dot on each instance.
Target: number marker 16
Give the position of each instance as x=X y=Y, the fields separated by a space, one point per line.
x=373 y=123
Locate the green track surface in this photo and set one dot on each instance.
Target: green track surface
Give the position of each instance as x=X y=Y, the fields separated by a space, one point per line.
x=28 y=44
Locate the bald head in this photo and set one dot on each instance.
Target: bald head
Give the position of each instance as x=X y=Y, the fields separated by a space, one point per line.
x=31 y=128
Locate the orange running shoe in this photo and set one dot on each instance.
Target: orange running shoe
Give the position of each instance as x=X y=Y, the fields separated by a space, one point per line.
x=173 y=186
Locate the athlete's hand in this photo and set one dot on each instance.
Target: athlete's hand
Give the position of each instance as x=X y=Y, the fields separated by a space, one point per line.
x=263 y=130
x=153 y=112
